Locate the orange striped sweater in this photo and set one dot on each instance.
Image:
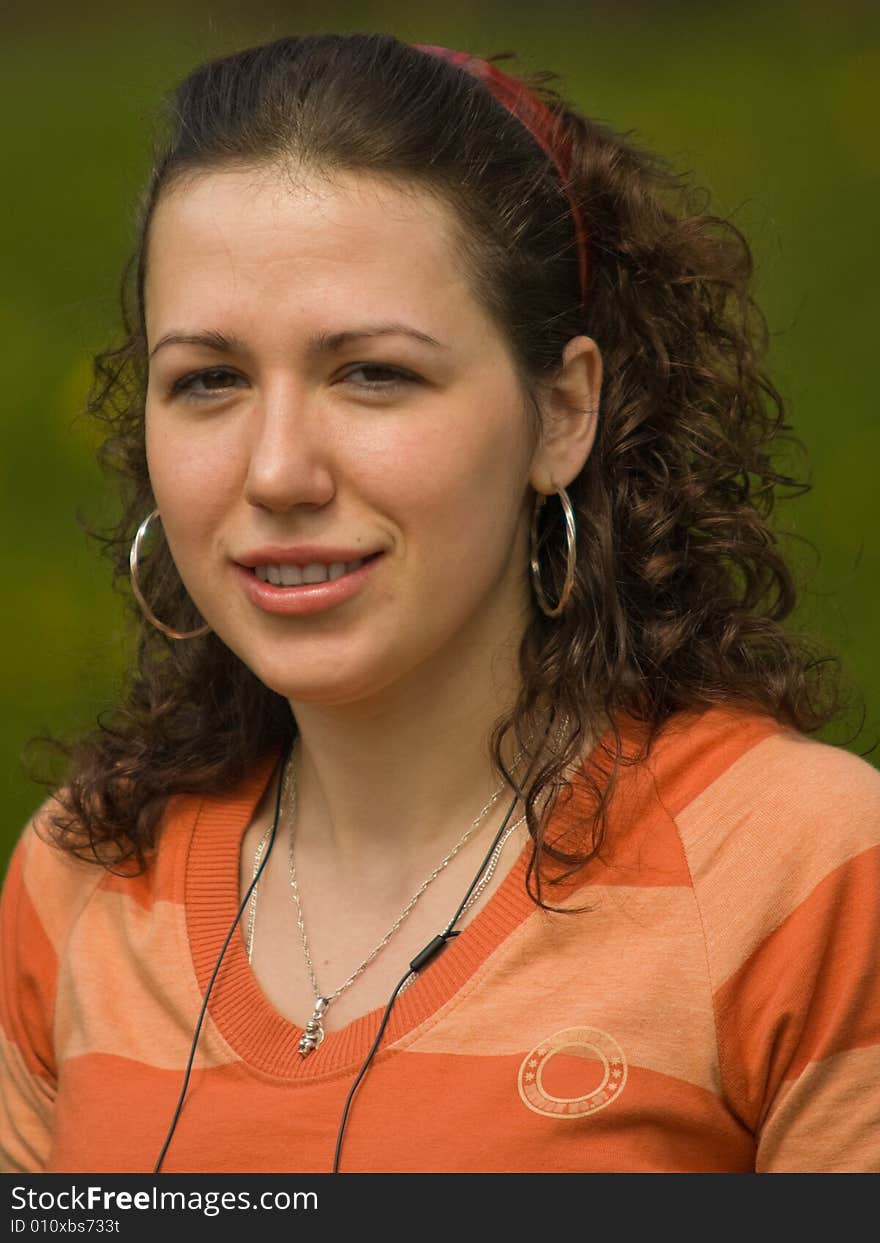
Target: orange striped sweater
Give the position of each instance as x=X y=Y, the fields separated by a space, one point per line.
x=717 y=1008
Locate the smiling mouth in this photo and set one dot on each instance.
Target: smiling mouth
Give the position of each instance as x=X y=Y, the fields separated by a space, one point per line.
x=308 y=575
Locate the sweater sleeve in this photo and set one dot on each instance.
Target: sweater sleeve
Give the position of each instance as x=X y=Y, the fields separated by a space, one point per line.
x=27 y=990
x=785 y=854
x=43 y=891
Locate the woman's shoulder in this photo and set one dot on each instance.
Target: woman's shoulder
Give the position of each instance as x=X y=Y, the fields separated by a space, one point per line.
x=56 y=872
x=54 y=876
x=774 y=825
x=46 y=873
x=780 y=833
x=731 y=791
x=729 y=771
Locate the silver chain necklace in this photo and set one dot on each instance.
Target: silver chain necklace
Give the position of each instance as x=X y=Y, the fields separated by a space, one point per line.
x=314 y=1030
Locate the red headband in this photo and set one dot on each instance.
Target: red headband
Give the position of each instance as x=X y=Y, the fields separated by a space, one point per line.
x=542 y=124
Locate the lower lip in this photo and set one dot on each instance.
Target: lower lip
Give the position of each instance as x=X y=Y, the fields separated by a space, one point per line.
x=307 y=598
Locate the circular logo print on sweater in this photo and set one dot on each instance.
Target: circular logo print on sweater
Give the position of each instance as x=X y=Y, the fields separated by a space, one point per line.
x=573 y=1073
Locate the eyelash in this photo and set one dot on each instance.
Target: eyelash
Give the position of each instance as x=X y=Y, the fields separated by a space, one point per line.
x=185 y=383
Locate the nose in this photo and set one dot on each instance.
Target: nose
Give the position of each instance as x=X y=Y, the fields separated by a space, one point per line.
x=290 y=460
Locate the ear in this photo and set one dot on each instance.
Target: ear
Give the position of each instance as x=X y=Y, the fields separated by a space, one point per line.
x=569 y=415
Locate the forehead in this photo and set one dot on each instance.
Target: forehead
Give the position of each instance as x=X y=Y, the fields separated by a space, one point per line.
x=247 y=234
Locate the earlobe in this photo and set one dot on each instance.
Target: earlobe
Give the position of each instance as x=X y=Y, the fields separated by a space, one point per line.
x=569 y=417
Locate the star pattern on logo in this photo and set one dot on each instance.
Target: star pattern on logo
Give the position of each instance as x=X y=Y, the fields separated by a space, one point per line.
x=596 y=1045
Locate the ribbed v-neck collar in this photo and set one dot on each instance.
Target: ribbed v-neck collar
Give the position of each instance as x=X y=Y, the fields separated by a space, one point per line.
x=252 y=1027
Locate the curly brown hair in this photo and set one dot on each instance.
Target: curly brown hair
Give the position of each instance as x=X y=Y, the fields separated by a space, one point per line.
x=680 y=587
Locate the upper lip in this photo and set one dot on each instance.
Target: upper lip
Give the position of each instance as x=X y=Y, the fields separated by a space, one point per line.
x=303 y=554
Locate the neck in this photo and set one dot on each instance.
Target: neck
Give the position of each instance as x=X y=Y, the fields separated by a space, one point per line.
x=408 y=770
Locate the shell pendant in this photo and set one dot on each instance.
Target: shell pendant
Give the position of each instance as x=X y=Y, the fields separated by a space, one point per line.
x=314 y=1029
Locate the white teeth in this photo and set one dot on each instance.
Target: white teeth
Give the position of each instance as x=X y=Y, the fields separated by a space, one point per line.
x=291 y=575
x=296 y=575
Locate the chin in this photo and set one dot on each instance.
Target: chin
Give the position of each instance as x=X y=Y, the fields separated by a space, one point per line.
x=339 y=669
x=325 y=682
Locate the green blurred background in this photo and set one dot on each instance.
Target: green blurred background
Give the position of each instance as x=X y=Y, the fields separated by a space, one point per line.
x=772 y=107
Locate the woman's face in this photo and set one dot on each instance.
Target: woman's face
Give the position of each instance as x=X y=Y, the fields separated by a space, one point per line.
x=350 y=399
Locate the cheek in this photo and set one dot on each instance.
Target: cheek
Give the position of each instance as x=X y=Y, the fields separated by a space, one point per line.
x=191 y=484
x=191 y=476
x=458 y=490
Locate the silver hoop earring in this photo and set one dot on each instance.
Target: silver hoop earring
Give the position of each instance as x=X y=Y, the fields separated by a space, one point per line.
x=151 y=617
x=570 y=555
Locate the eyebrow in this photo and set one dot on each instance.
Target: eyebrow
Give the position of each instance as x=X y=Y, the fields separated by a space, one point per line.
x=321 y=343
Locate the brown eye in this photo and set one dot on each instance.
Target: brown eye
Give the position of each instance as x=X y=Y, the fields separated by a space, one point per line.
x=393 y=376
x=204 y=383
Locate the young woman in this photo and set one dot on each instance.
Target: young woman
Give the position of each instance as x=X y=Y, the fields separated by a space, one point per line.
x=446 y=462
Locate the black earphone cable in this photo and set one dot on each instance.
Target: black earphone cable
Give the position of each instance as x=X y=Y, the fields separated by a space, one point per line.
x=203 y=1011
x=431 y=950
x=420 y=961
x=366 y=1063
